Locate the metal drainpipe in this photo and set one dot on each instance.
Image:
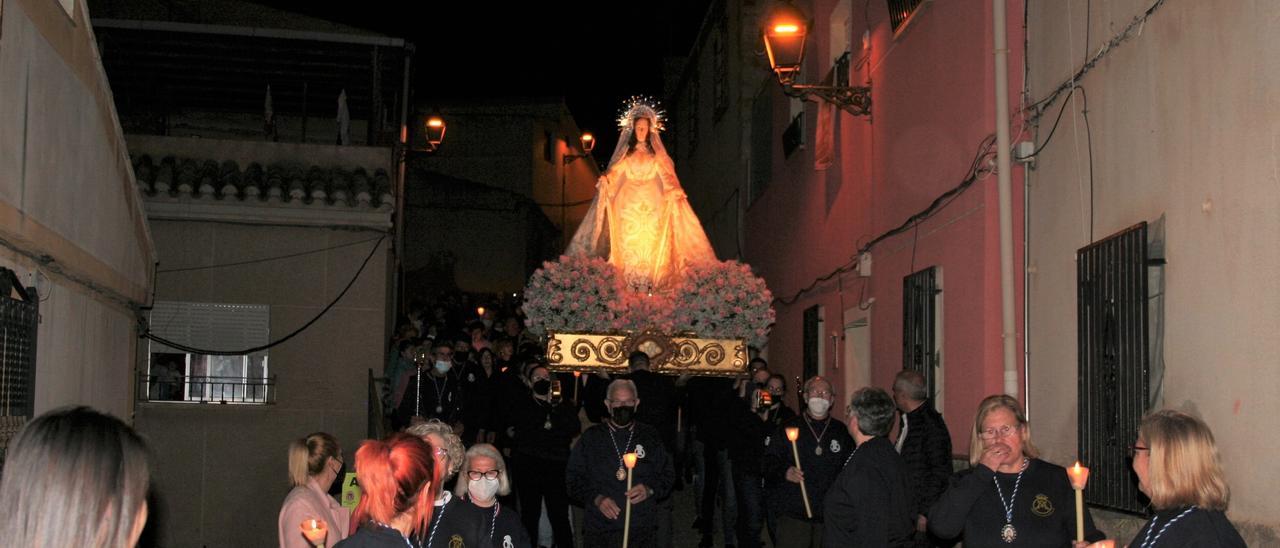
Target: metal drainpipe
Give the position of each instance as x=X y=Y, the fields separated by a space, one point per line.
x=1008 y=317
x=1026 y=234
x=402 y=158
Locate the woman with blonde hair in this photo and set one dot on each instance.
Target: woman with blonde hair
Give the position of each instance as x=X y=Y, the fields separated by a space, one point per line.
x=74 y=477
x=1009 y=497
x=483 y=479
x=315 y=462
x=452 y=517
x=1177 y=464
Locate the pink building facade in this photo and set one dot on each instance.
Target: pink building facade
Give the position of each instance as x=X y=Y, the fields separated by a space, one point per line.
x=837 y=244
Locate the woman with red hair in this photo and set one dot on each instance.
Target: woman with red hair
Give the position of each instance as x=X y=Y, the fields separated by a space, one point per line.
x=399 y=481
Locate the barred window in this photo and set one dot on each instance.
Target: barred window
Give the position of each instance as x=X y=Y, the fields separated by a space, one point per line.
x=902 y=12
x=921 y=338
x=182 y=374
x=1113 y=312
x=19 y=322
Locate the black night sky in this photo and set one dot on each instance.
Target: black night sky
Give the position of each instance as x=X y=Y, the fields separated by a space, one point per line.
x=595 y=54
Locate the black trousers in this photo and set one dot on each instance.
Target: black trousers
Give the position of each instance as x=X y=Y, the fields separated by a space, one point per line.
x=543 y=480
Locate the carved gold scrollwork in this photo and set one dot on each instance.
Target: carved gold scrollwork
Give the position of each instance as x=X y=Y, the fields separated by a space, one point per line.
x=553 y=351
x=669 y=355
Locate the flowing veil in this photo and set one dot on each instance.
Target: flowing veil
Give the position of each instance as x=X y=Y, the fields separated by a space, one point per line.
x=681 y=241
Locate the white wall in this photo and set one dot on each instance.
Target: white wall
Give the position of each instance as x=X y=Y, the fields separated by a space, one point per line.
x=1184 y=124
x=67 y=197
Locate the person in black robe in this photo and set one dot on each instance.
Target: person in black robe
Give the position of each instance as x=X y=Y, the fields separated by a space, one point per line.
x=870 y=504
x=597 y=474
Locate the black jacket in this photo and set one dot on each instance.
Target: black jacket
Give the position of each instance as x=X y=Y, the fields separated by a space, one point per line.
x=1044 y=508
x=820 y=470
x=372 y=536
x=594 y=463
x=444 y=393
x=501 y=524
x=869 y=505
x=456 y=519
x=530 y=417
x=927 y=452
x=1201 y=528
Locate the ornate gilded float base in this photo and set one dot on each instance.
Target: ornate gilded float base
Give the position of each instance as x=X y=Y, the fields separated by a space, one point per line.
x=670 y=355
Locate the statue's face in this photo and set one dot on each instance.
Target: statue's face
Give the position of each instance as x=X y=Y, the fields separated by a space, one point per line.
x=642 y=129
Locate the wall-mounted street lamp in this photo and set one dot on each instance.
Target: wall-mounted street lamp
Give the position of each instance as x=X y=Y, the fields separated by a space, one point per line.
x=786 y=29
x=588 y=144
x=435 y=131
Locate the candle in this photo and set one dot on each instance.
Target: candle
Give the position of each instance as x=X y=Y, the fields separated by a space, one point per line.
x=630 y=460
x=793 y=434
x=315 y=530
x=576 y=375
x=1079 y=478
x=480 y=311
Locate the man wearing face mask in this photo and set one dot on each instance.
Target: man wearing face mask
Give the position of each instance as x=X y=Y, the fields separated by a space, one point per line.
x=597 y=475
x=823 y=446
x=543 y=430
x=434 y=393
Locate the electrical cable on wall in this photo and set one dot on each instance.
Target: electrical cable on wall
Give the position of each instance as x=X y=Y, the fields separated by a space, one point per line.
x=265 y=259
x=146 y=330
x=1131 y=31
x=975 y=172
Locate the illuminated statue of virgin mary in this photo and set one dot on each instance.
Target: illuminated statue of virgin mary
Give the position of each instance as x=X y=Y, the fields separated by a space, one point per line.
x=640 y=219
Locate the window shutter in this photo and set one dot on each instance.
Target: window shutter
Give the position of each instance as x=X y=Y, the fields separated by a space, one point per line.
x=212 y=326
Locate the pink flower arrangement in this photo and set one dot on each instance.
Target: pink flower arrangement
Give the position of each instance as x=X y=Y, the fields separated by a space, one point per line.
x=576 y=294
x=722 y=300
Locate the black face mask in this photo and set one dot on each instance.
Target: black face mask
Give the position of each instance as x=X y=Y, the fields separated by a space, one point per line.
x=541 y=387
x=623 y=415
x=336 y=488
x=760 y=385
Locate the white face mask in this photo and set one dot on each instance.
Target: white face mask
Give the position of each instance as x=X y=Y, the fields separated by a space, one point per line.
x=482 y=489
x=818 y=407
x=443 y=366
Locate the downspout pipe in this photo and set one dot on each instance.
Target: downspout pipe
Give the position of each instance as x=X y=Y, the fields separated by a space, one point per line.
x=402 y=159
x=1008 y=318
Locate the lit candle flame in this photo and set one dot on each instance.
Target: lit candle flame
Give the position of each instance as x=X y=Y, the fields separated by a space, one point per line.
x=793 y=434
x=315 y=530
x=1079 y=476
x=629 y=459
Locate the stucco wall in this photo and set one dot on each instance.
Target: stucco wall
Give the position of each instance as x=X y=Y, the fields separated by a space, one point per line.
x=1183 y=125
x=932 y=106
x=221 y=471
x=69 y=213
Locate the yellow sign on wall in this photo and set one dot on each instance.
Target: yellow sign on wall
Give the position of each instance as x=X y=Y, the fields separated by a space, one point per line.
x=350 y=491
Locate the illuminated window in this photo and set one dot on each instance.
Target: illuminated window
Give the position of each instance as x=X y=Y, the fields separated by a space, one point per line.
x=180 y=373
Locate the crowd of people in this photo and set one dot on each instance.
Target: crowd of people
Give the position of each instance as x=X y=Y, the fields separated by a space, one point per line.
x=491 y=448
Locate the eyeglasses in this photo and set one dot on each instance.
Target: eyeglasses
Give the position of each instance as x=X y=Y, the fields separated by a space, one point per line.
x=1133 y=450
x=997 y=433
x=475 y=475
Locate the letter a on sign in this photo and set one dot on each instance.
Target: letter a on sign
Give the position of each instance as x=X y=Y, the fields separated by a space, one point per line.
x=350 y=491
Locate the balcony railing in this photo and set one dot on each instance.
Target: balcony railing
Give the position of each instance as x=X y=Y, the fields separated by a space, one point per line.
x=205 y=389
